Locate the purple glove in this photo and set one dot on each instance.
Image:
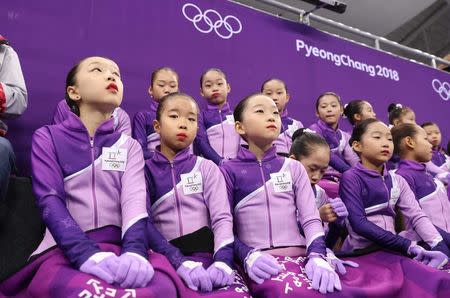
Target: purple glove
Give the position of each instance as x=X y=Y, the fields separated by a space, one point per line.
x=195 y=276
x=337 y=264
x=322 y=276
x=435 y=259
x=261 y=266
x=102 y=265
x=221 y=274
x=444 y=177
x=339 y=208
x=134 y=271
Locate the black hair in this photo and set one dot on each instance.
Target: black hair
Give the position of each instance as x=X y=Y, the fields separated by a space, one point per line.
x=171 y=96
x=360 y=129
x=304 y=142
x=239 y=109
x=448 y=147
x=71 y=81
x=400 y=132
x=156 y=71
x=274 y=79
x=428 y=124
x=211 y=69
x=325 y=94
x=396 y=111
x=352 y=108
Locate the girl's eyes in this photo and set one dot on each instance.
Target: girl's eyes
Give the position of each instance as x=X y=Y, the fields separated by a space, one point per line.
x=192 y=119
x=173 y=116
x=259 y=111
x=276 y=113
x=97 y=69
x=116 y=74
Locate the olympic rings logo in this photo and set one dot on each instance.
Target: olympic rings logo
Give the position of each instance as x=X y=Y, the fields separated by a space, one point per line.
x=443 y=89
x=207 y=18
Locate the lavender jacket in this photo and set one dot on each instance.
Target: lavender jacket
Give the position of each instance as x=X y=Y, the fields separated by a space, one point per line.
x=143 y=131
x=266 y=196
x=288 y=127
x=121 y=120
x=186 y=195
x=216 y=138
x=342 y=155
x=370 y=199
x=75 y=194
x=430 y=193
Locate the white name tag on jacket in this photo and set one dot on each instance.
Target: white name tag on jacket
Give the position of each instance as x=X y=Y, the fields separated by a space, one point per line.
x=281 y=181
x=192 y=183
x=114 y=159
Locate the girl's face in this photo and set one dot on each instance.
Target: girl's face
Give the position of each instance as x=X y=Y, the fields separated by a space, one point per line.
x=277 y=91
x=177 y=126
x=329 y=109
x=215 y=88
x=316 y=163
x=408 y=117
x=376 y=144
x=261 y=120
x=367 y=112
x=98 y=84
x=433 y=134
x=165 y=82
x=422 y=148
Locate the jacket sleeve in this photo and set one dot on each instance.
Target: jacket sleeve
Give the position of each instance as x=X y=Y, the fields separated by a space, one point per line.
x=349 y=191
x=133 y=203
x=308 y=213
x=13 y=92
x=215 y=194
x=140 y=133
x=156 y=240
x=48 y=186
x=411 y=209
x=201 y=143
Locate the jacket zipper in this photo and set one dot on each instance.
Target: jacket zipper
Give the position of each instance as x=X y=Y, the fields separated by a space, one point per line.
x=177 y=200
x=223 y=134
x=94 y=196
x=267 y=204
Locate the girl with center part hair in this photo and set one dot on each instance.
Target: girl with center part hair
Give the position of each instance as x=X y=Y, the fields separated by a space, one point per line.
x=216 y=138
x=94 y=205
x=411 y=144
x=163 y=81
x=192 y=224
x=277 y=90
x=371 y=194
x=329 y=110
x=266 y=190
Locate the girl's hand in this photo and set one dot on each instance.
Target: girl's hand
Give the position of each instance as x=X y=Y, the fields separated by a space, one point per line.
x=103 y=265
x=327 y=214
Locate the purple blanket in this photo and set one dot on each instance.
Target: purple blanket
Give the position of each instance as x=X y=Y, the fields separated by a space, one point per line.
x=51 y=275
x=380 y=274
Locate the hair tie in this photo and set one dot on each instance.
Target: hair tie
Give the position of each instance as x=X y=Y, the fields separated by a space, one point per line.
x=307 y=130
x=399 y=105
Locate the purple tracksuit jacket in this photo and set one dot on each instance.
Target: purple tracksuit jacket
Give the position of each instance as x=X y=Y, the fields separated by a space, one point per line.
x=288 y=127
x=370 y=199
x=121 y=119
x=342 y=155
x=185 y=195
x=266 y=196
x=216 y=138
x=430 y=193
x=84 y=183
